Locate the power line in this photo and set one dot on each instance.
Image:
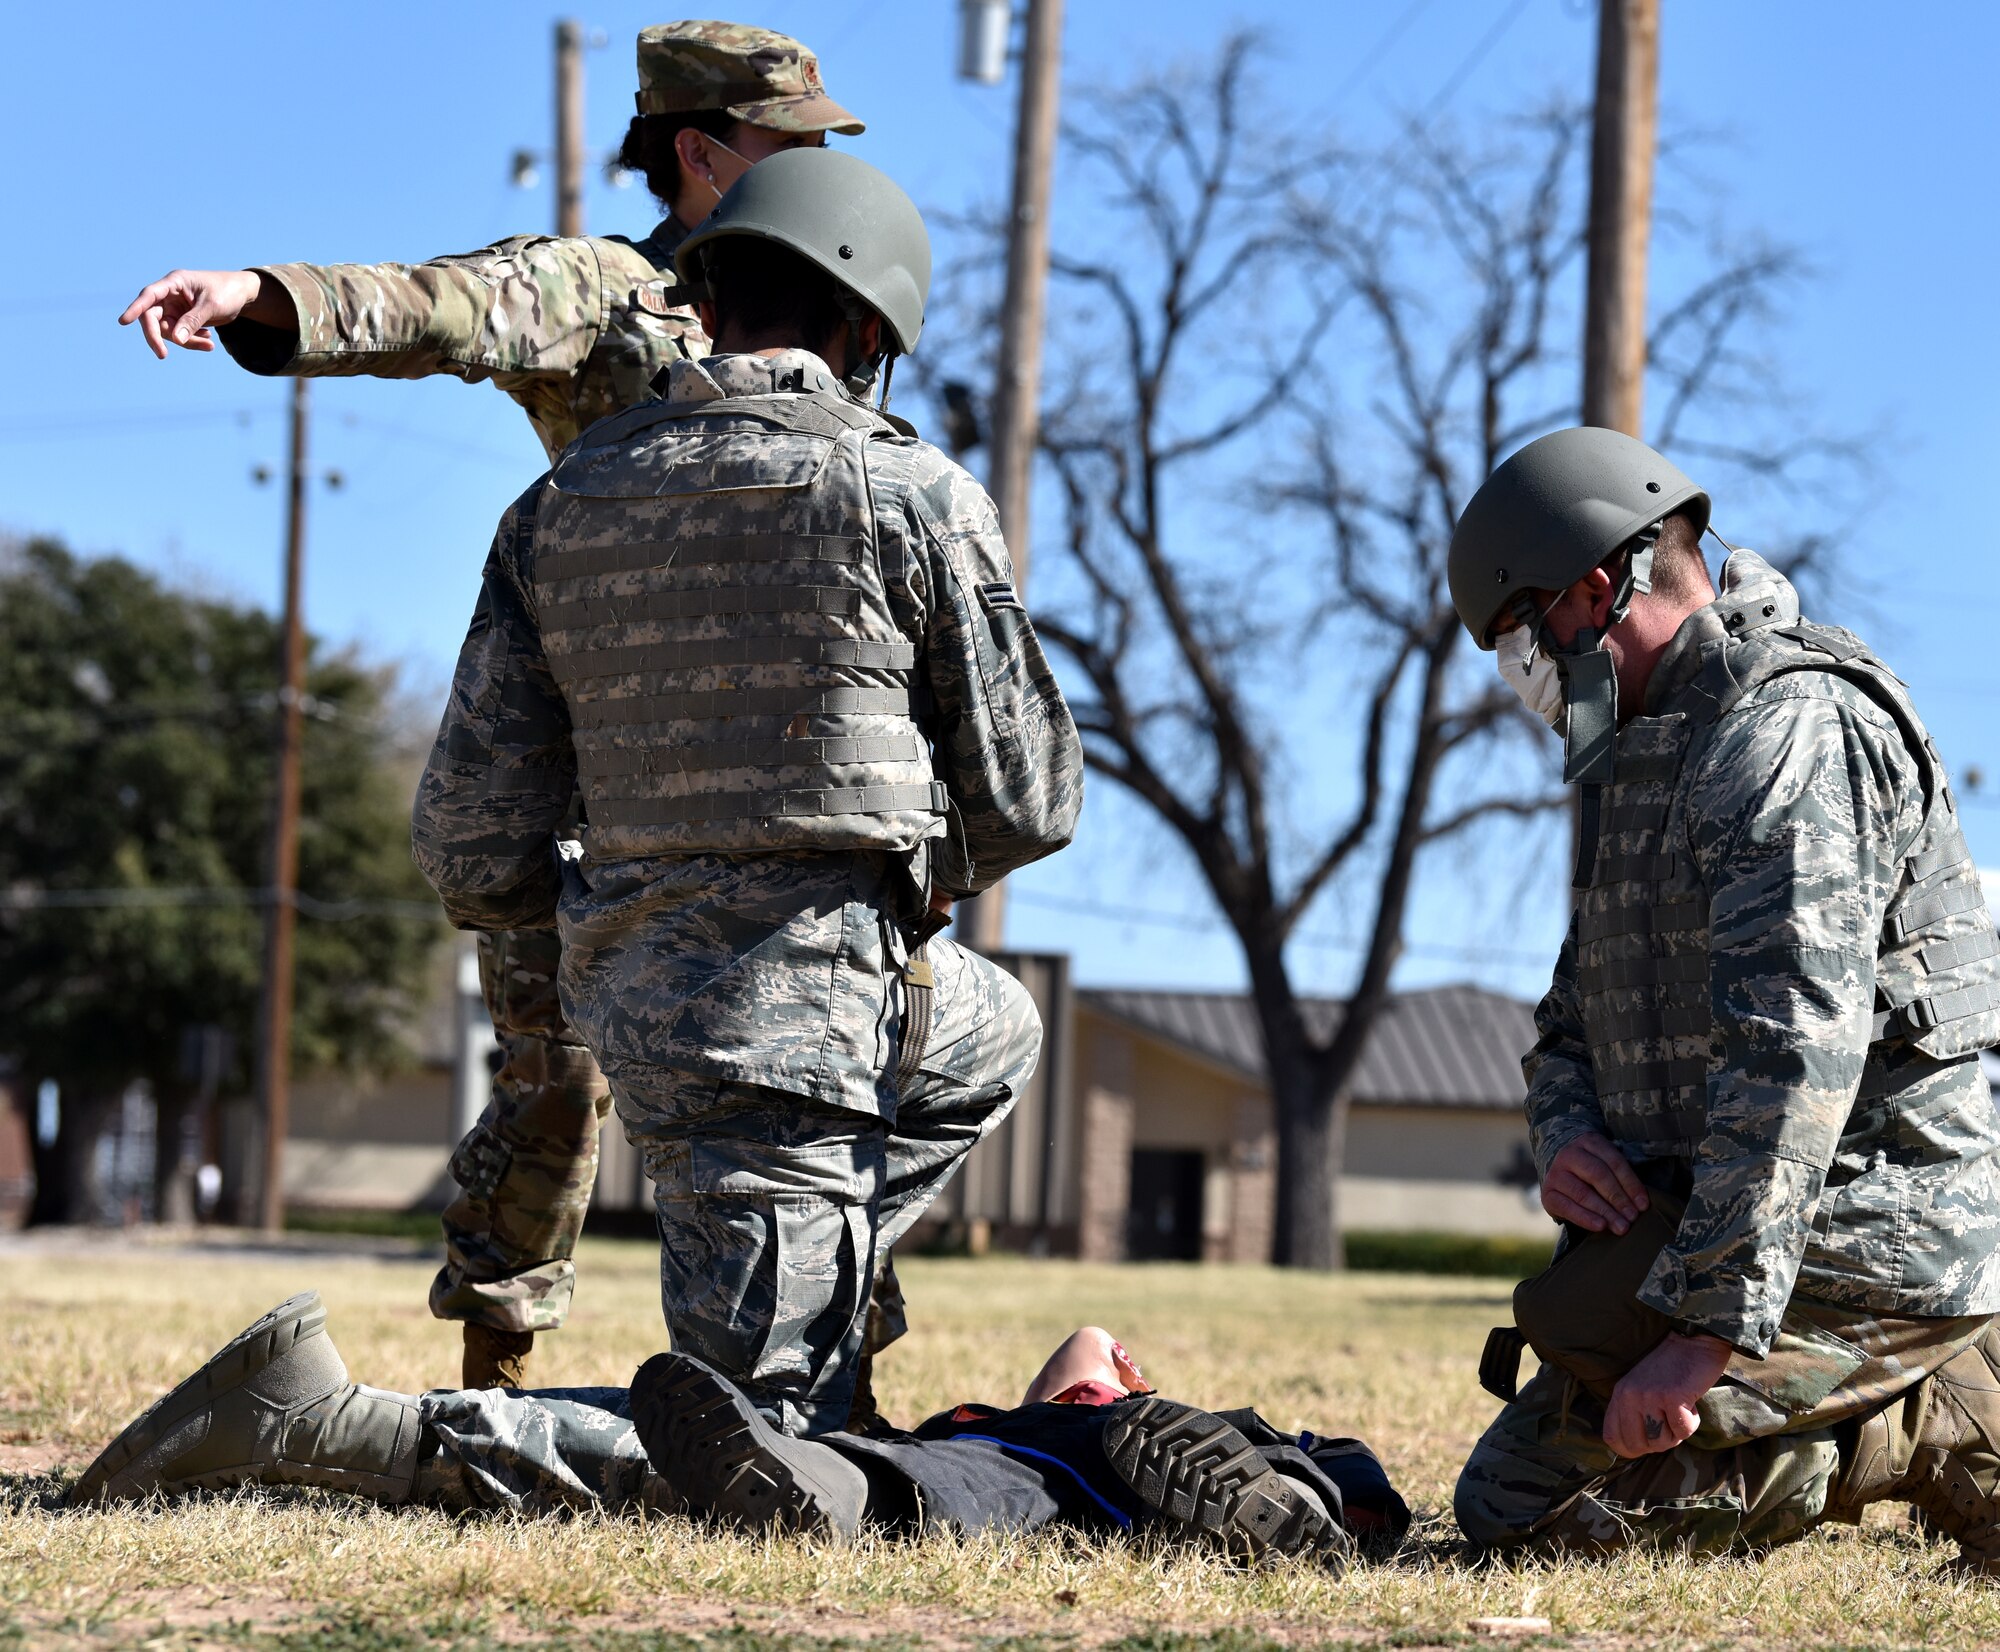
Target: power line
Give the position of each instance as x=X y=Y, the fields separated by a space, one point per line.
x=1195 y=923
x=66 y=426
x=1376 y=169
x=1381 y=48
x=63 y=426
x=1473 y=59
x=447 y=444
x=340 y=910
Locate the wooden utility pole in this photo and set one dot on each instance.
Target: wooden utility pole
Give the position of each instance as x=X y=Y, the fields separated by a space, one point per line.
x=1624 y=130
x=274 y=1025
x=569 y=127
x=1621 y=209
x=1018 y=387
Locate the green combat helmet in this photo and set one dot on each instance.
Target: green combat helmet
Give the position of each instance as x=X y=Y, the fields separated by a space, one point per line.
x=1547 y=516
x=846 y=217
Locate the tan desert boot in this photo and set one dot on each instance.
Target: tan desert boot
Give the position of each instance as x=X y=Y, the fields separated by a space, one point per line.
x=496 y=1359
x=1937 y=1448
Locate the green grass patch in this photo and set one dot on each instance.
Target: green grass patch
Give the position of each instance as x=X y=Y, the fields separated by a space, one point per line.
x=1453 y=1253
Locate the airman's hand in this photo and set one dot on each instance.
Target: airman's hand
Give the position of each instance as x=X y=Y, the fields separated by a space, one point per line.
x=1653 y=1406
x=186 y=305
x=1593 y=1184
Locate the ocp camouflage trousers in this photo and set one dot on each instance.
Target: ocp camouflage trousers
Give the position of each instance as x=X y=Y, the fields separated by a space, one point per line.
x=525 y=1170
x=1756 y=1472
x=773 y=1207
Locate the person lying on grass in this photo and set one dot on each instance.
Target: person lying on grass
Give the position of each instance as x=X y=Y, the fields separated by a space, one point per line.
x=1089 y=1446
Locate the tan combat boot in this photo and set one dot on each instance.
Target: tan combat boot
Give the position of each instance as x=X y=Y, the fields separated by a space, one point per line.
x=273 y=1408
x=497 y=1359
x=1938 y=1449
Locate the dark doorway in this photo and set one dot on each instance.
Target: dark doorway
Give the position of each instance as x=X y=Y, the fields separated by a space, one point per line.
x=1165 y=1220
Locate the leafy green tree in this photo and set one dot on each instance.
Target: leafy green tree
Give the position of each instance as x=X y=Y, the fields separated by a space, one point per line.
x=136 y=775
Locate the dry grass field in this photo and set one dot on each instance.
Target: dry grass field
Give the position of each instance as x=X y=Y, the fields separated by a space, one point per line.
x=96 y=1331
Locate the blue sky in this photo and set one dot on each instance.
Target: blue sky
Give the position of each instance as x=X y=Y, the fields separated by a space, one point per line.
x=371 y=131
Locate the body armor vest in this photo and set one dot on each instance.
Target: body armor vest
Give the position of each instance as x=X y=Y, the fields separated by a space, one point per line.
x=714 y=606
x=1643 y=916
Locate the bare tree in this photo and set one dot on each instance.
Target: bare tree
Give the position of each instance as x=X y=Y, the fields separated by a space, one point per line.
x=1285 y=372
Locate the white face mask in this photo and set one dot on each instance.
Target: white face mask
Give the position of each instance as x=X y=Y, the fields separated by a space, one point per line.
x=1531 y=673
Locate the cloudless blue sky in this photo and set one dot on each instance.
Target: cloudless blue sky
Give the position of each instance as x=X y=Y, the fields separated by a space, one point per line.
x=367 y=131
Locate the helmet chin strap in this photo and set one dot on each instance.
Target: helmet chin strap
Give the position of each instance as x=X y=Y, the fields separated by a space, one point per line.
x=863 y=368
x=1589 y=674
x=1590 y=696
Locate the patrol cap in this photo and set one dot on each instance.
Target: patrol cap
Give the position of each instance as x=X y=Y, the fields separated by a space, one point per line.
x=1555 y=510
x=836 y=211
x=758 y=76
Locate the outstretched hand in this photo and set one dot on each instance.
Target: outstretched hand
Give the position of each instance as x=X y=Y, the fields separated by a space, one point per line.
x=1592 y=1184
x=184 y=306
x=1653 y=1406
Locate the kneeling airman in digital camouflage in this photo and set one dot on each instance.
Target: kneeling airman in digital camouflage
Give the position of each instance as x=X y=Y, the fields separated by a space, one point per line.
x=775 y=640
x=1756 y=1101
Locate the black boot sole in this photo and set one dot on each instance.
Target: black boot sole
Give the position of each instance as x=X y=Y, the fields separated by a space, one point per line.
x=1195 y=1470
x=709 y=1443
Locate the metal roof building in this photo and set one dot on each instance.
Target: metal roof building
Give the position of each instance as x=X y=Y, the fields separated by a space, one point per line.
x=1149 y=1131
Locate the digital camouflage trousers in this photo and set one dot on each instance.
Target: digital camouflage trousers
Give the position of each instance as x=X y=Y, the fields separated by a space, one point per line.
x=774 y=1207
x=1757 y=1471
x=525 y=1170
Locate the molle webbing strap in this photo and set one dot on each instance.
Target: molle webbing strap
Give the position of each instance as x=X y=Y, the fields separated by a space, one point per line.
x=1630 y=817
x=917 y=797
x=1677 y=917
x=1634 y=868
x=1909 y=916
x=841 y=601
x=1684 y=1073
x=634 y=556
x=1658 y=1127
x=1927 y=1013
x=780 y=648
x=1943 y=857
x=774 y=753
x=1975 y=948
x=1649 y=765
x=919 y=1012
x=1680 y=969
x=1668 y=1020
x=698 y=705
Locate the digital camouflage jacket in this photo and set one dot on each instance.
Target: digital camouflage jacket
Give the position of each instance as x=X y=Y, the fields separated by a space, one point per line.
x=574 y=329
x=1777 y=981
x=716 y=962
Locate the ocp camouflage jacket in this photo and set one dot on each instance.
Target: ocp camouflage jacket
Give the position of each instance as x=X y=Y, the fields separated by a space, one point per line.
x=573 y=328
